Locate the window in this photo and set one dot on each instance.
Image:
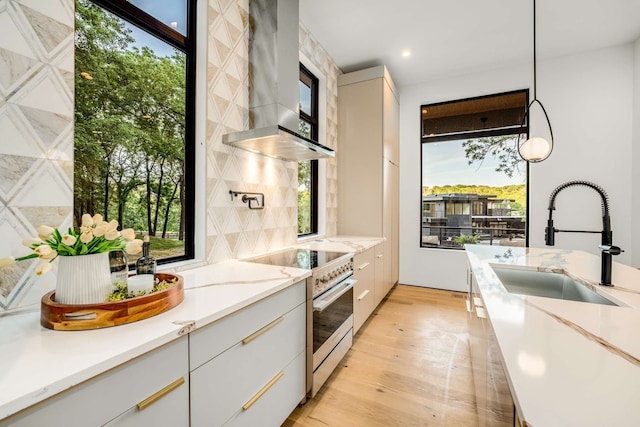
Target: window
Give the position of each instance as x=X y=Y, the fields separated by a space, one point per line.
x=134 y=103
x=471 y=168
x=308 y=170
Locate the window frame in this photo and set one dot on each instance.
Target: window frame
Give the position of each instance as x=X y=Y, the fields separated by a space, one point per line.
x=522 y=130
x=187 y=44
x=313 y=121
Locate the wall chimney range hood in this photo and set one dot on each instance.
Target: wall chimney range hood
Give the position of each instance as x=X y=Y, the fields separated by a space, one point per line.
x=274 y=96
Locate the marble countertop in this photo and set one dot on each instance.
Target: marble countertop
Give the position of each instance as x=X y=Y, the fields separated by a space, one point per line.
x=567 y=362
x=355 y=244
x=37 y=363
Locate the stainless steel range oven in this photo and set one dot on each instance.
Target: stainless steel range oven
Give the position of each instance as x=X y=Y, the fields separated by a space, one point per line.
x=329 y=308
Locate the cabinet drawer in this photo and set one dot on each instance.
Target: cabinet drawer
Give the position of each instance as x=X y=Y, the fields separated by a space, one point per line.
x=207 y=342
x=363 y=265
x=169 y=408
x=379 y=259
x=105 y=397
x=363 y=303
x=220 y=387
x=363 y=290
x=274 y=406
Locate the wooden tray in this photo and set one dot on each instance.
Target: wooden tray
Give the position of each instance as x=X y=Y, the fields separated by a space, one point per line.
x=77 y=317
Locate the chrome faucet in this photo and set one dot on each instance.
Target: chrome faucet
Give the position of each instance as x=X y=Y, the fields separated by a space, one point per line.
x=606 y=246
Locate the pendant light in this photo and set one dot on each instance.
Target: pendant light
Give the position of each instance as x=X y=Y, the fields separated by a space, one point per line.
x=535 y=149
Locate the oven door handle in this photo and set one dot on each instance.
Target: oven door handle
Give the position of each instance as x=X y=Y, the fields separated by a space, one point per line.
x=321 y=303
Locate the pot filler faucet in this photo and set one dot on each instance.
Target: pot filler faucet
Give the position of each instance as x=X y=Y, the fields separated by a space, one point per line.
x=606 y=247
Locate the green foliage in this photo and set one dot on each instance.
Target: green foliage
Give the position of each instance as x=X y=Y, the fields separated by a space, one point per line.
x=304 y=212
x=503 y=148
x=304 y=197
x=120 y=291
x=463 y=239
x=129 y=126
x=513 y=192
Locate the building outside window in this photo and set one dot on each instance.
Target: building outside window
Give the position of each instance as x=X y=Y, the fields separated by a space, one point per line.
x=134 y=121
x=308 y=170
x=474 y=184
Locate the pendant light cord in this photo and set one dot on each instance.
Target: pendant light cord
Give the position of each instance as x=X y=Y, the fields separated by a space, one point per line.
x=535 y=97
x=534 y=53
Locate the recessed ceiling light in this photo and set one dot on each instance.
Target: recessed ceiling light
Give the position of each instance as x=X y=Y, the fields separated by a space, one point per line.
x=174 y=24
x=406 y=53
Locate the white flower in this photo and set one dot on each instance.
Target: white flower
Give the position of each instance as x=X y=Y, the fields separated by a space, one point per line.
x=43 y=267
x=46 y=252
x=86 y=236
x=100 y=230
x=87 y=220
x=134 y=247
x=69 y=240
x=113 y=225
x=128 y=234
x=29 y=242
x=97 y=219
x=43 y=250
x=7 y=261
x=44 y=232
x=112 y=234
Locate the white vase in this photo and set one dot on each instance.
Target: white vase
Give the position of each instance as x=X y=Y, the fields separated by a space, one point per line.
x=83 y=279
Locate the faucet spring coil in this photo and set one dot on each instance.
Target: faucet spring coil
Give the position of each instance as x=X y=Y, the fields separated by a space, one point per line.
x=604 y=203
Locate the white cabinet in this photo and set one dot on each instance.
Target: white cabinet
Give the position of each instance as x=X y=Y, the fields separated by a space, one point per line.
x=152 y=389
x=380 y=288
x=246 y=369
x=364 y=289
x=371 y=287
x=368 y=161
x=391 y=225
x=493 y=397
x=249 y=368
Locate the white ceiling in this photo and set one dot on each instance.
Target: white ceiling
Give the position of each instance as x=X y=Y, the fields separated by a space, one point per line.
x=453 y=37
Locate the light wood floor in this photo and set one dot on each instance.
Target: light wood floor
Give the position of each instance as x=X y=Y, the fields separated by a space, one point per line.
x=409 y=366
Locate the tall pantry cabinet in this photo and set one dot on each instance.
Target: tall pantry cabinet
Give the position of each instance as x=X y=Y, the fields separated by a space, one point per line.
x=368 y=163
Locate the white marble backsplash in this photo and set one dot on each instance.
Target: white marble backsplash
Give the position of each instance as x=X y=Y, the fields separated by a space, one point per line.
x=36 y=130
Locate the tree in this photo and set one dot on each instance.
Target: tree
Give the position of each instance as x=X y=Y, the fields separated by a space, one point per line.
x=304 y=197
x=504 y=148
x=129 y=125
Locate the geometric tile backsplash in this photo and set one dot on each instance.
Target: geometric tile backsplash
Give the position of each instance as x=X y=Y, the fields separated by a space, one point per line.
x=36 y=134
x=36 y=139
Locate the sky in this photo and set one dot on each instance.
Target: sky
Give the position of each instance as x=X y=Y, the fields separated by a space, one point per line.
x=167 y=11
x=444 y=163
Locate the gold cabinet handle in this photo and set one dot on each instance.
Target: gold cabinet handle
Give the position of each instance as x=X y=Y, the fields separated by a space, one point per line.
x=362 y=295
x=363 y=266
x=160 y=393
x=262 y=391
x=262 y=330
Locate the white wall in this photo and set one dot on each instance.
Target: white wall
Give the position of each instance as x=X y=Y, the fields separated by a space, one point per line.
x=635 y=260
x=589 y=101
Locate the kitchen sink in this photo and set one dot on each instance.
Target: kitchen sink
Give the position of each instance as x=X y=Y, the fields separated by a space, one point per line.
x=544 y=284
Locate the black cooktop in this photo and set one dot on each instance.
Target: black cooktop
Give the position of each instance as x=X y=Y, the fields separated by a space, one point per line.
x=299 y=258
